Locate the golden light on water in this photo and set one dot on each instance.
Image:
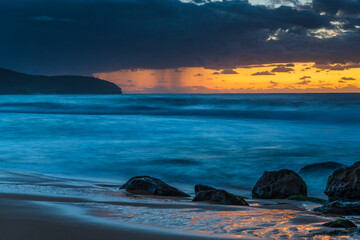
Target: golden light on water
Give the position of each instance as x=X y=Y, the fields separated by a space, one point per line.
x=269 y=78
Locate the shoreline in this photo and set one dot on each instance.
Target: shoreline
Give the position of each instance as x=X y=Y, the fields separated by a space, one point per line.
x=65 y=210
x=47 y=217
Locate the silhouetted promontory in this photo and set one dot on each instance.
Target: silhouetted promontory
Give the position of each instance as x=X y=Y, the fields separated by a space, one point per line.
x=12 y=82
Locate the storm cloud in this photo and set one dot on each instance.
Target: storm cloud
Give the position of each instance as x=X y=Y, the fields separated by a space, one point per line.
x=337 y=6
x=85 y=37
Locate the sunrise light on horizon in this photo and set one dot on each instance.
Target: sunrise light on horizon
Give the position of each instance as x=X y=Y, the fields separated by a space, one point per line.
x=266 y=78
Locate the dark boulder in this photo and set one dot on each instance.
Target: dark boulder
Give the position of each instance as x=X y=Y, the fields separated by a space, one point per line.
x=342 y=208
x=221 y=197
x=341 y=223
x=150 y=185
x=200 y=187
x=279 y=185
x=344 y=184
x=324 y=167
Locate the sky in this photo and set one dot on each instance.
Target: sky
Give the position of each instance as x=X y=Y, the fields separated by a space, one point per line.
x=188 y=46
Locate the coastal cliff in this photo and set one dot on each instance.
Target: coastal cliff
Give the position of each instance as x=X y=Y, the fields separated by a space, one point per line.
x=12 y=82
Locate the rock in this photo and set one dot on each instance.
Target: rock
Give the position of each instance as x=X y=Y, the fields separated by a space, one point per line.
x=321 y=167
x=305 y=198
x=336 y=233
x=279 y=185
x=341 y=223
x=150 y=185
x=220 y=196
x=200 y=187
x=344 y=184
x=342 y=208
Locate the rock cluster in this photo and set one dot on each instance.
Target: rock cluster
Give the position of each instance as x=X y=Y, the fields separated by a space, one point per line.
x=343 y=190
x=154 y=186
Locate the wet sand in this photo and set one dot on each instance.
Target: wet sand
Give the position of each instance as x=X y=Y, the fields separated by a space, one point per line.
x=22 y=219
x=35 y=217
x=36 y=207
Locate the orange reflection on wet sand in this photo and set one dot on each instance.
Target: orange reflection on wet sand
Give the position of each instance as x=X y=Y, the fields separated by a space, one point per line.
x=263 y=222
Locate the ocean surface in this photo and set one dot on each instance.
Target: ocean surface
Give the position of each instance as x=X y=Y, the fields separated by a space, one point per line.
x=227 y=141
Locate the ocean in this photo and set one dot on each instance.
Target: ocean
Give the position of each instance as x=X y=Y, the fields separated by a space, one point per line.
x=223 y=140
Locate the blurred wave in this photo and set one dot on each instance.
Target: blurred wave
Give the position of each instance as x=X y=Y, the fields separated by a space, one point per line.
x=326 y=108
x=225 y=140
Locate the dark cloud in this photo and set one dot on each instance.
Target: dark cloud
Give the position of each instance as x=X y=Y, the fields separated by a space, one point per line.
x=348 y=78
x=274 y=84
x=337 y=6
x=83 y=37
x=282 y=69
x=228 y=71
x=264 y=73
x=289 y=65
x=305 y=77
x=305 y=82
x=337 y=67
x=198 y=75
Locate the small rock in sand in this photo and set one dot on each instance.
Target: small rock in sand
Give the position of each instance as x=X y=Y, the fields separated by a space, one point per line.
x=211 y=194
x=221 y=197
x=150 y=185
x=342 y=208
x=341 y=223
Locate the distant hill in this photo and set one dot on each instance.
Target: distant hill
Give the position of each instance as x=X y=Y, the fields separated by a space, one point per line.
x=18 y=83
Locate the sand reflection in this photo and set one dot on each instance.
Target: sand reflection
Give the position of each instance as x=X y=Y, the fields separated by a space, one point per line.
x=263 y=221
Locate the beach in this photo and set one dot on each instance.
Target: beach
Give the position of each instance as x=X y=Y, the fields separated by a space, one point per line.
x=64 y=159
x=92 y=210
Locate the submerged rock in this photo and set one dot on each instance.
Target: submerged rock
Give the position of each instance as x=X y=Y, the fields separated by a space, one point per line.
x=279 y=184
x=150 y=185
x=221 y=197
x=344 y=184
x=200 y=187
x=338 y=233
x=305 y=198
x=321 y=167
x=342 y=208
x=341 y=223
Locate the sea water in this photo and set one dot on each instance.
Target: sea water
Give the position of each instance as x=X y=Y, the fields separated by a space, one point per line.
x=224 y=140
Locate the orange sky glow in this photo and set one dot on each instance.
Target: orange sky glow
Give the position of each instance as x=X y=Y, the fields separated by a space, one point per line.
x=268 y=78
